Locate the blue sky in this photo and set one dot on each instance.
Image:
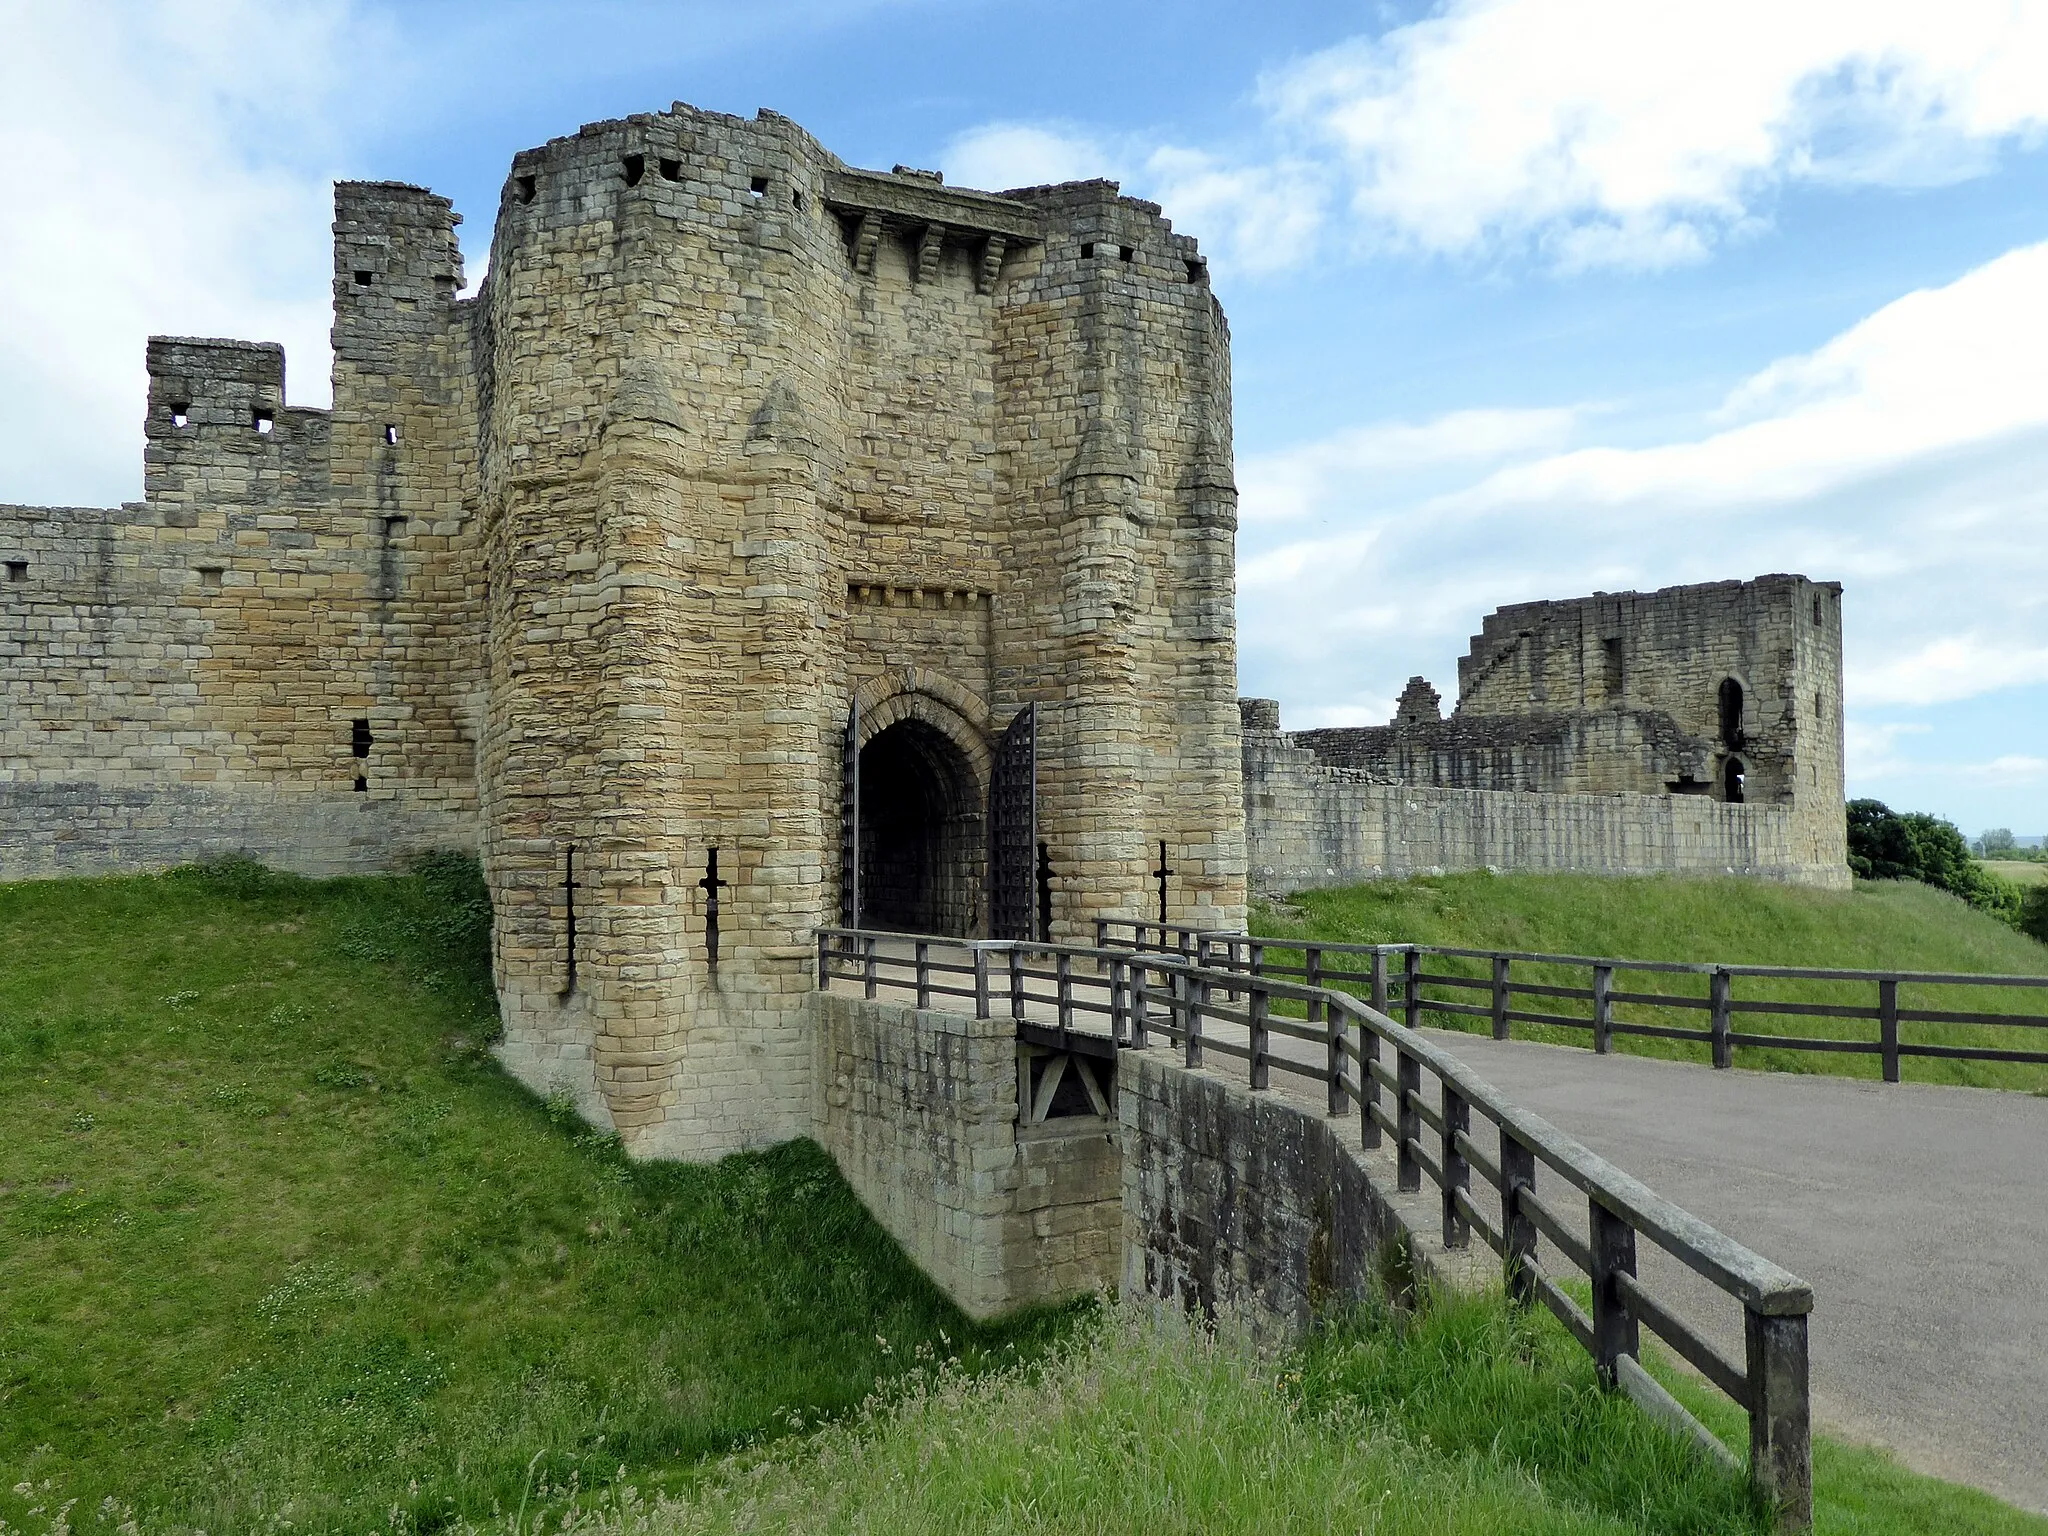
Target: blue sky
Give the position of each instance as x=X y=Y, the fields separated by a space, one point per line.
x=1529 y=297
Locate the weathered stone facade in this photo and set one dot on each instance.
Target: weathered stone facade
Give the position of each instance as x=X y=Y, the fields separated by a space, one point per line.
x=1695 y=729
x=595 y=565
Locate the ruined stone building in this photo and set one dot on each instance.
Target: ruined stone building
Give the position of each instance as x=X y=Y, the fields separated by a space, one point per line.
x=745 y=477
x=1693 y=729
x=769 y=544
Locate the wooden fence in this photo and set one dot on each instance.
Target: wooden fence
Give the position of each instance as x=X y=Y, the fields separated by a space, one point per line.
x=1467 y=1136
x=1400 y=977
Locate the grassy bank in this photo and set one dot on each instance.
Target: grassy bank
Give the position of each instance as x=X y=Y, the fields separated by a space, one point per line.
x=279 y=1242
x=1878 y=925
x=1467 y=1419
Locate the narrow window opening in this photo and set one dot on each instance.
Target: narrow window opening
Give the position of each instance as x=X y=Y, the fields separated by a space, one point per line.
x=1126 y=252
x=796 y=198
x=362 y=278
x=636 y=167
x=210 y=577
x=1198 y=271
x=1731 y=712
x=181 y=414
x=1087 y=250
x=1816 y=610
x=362 y=784
x=359 y=738
x=759 y=186
x=17 y=570
x=671 y=170
x=1732 y=777
x=1816 y=702
x=262 y=418
x=525 y=184
x=391 y=432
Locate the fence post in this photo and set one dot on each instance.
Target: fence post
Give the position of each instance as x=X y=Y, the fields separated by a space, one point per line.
x=1888 y=1026
x=1337 y=1024
x=824 y=961
x=1518 y=1228
x=924 y=974
x=1500 y=997
x=1259 y=1001
x=1407 y=1123
x=981 y=999
x=1368 y=1087
x=1102 y=933
x=1063 y=972
x=1780 y=1430
x=868 y=965
x=1457 y=1172
x=1119 y=1017
x=1379 y=982
x=1603 y=1008
x=1614 y=1325
x=1190 y=1019
x=1141 y=1006
x=1724 y=1052
x=1411 y=987
x=1016 y=981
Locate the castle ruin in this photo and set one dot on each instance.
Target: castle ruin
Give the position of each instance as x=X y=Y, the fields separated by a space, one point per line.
x=770 y=544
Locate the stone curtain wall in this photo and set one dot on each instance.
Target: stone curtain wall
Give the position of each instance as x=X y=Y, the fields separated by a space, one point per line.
x=183 y=675
x=1311 y=825
x=1240 y=1201
x=919 y=1109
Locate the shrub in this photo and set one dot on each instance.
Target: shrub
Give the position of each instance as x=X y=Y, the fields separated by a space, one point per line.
x=1889 y=845
x=2034 y=913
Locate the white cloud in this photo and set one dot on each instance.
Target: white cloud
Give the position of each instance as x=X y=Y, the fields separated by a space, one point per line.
x=1617 y=133
x=1907 y=457
x=166 y=171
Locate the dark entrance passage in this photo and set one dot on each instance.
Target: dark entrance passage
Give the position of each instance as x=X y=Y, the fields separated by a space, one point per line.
x=921 y=841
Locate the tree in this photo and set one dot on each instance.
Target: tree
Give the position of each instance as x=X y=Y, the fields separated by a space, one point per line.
x=1887 y=845
x=1996 y=840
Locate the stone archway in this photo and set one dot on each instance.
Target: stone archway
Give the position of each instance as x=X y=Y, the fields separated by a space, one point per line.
x=924 y=766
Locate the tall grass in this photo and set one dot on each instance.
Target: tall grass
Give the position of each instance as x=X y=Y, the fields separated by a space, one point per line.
x=1884 y=925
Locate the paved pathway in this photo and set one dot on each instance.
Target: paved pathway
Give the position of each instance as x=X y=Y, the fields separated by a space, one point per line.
x=1918 y=1214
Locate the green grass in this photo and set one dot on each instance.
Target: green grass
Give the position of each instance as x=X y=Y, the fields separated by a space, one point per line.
x=279 y=1241
x=1878 y=925
x=2023 y=871
x=282 y=1249
x=1466 y=1418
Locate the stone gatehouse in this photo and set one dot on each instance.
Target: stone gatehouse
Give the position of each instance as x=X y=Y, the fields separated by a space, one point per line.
x=872 y=533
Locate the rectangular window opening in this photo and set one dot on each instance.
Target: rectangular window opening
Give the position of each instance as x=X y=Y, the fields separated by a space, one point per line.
x=1611 y=662
x=17 y=570
x=796 y=199
x=391 y=432
x=359 y=737
x=525 y=187
x=1198 y=271
x=1816 y=610
x=1087 y=250
x=181 y=414
x=362 y=279
x=671 y=170
x=262 y=418
x=1126 y=252
x=636 y=167
x=759 y=186
x=210 y=577
x=362 y=784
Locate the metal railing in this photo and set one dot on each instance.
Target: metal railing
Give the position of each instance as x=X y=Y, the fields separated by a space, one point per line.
x=1370 y=1064
x=1397 y=976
